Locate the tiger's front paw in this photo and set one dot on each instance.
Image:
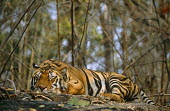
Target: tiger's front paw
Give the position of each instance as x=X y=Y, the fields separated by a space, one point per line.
x=103 y=96
x=113 y=97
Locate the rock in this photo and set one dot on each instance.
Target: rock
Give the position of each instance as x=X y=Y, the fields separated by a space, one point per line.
x=31 y=101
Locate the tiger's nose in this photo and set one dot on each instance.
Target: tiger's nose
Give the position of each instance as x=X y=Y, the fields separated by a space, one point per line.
x=42 y=88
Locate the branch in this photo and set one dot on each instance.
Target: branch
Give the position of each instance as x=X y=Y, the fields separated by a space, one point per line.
x=58 y=31
x=141 y=56
x=85 y=24
x=152 y=62
x=166 y=59
x=16 y=59
x=156 y=13
x=19 y=39
x=6 y=39
x=72 y=31
x=15 y=89
x=104 y=31
x=143 y=21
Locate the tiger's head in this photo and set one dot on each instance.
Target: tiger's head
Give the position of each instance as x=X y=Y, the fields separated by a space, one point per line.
x=50 y=76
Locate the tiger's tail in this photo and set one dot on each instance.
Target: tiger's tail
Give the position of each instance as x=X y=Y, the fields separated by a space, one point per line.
x=145 y=98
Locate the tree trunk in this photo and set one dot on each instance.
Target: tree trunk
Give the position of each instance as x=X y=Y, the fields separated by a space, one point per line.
x=108 y=37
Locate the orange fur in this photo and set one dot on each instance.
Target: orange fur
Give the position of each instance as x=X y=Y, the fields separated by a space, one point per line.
x=54 y=75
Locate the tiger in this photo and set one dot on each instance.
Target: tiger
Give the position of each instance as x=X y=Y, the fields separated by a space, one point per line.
x=53 y=75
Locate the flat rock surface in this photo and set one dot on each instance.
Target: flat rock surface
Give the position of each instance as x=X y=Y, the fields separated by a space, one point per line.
x=11 y=100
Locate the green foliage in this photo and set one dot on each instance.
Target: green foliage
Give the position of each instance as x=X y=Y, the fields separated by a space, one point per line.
x=74 y=101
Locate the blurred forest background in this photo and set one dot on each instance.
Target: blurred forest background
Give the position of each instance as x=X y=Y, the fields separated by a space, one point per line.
x=125 y=36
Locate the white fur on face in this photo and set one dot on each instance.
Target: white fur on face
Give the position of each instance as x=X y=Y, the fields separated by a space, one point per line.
x=52 y=75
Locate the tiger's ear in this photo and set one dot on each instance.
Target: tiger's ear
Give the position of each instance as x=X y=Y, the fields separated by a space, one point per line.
x=35 y=66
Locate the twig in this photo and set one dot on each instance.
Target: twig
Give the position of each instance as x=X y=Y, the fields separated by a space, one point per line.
x=85 y=23
x=13 y=85
x=84 y=28
x=137 y=19
x=16 y=59
x=112 y=43
x=145 y=23
x=19 y=39
x=44 y=97
x=141 y=56
x=156 y=13
x=26 y=98
x=65 y=2
x=6 y=39
x=97 y=62
x=8 y=17
x=6 y=92
x=152 y=62
x=92 y=16
x=161 y=94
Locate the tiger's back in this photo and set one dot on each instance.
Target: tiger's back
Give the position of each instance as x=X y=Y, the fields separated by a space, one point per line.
x=63 y=78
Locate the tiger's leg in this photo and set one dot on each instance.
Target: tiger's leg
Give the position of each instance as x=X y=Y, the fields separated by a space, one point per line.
x=116 y=88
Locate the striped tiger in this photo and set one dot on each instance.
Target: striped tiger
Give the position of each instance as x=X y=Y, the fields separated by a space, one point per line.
x=56 y=76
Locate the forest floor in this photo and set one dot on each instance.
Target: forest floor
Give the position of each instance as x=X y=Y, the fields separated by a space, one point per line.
x=19 y=100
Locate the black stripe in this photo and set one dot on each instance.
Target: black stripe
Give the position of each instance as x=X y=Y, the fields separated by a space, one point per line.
x=78 y=69
x=104 y=73
x=113 y=83
x=52 y=60
x=145 y=98
x=118 y=86
x=151 y=102
x=124 y=84
x=142 y=94
x=118 y=82
x=137 y=90
x=133 y=92
x=90 y=90
x=58 y=65
x=56 y=80
x=97 y=82
x=106 y=83
x=98 y=86
x=121 y=86
x=59 y=83
x=121 y=79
